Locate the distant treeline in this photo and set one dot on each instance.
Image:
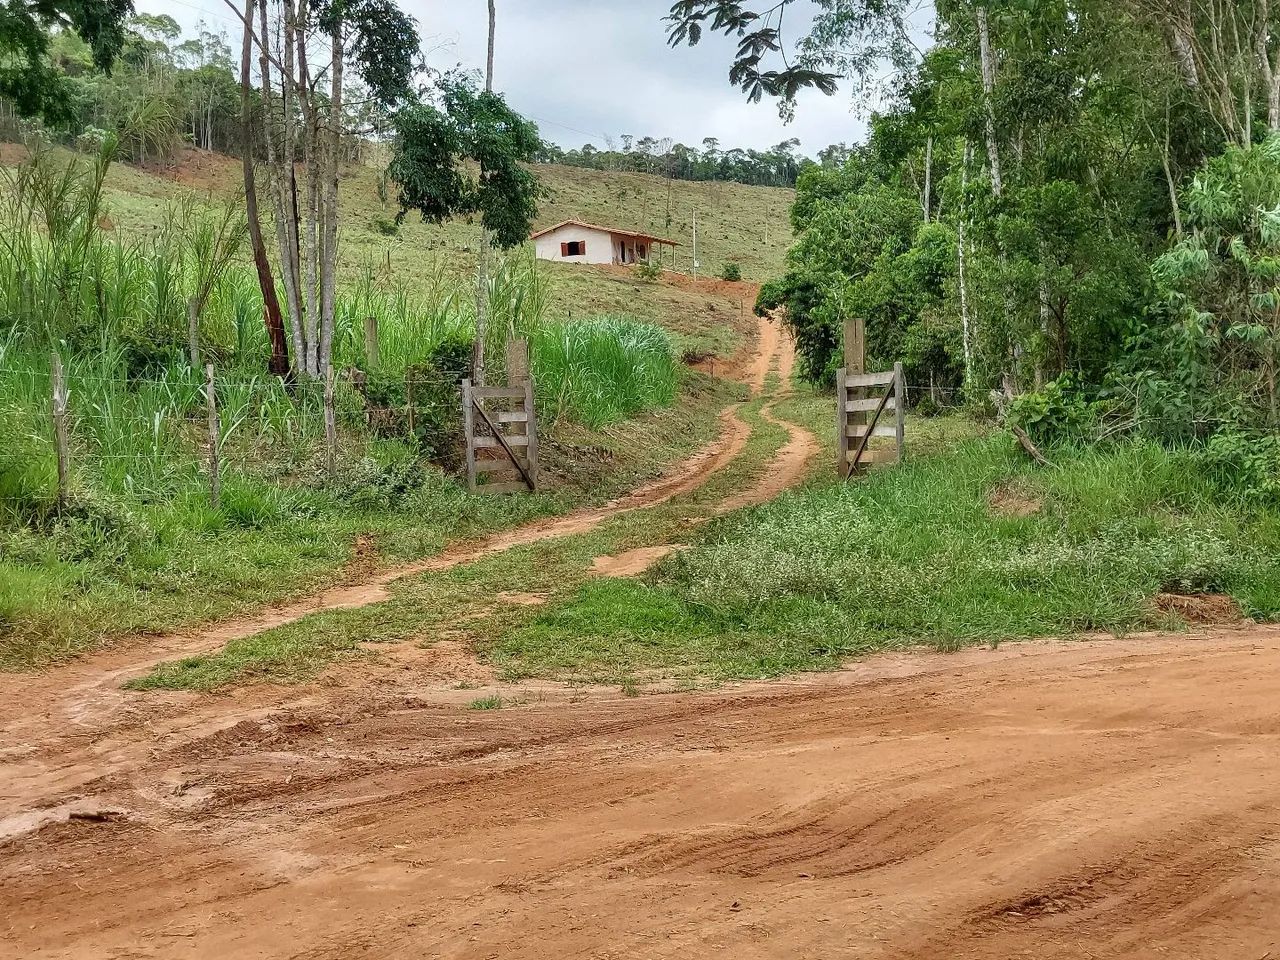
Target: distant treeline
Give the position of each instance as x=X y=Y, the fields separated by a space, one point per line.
x=779 y=166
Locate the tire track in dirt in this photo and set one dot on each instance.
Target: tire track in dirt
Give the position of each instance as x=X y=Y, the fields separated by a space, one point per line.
x=1104 y=799
x=74 y=724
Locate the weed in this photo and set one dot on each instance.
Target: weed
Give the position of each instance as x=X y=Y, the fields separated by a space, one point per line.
x=493 y=702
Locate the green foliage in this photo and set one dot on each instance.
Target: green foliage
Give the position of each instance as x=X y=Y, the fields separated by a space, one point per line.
x=648 y=270
x=27 y=78
x=921 y=553
x=731 y=271
x=601 y=370
x=431 y=143
x=1056 y=413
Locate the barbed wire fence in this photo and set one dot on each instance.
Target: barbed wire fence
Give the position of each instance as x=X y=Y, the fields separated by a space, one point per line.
x=156 y=433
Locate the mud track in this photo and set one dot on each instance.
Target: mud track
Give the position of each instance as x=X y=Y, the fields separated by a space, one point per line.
x=1084 y=800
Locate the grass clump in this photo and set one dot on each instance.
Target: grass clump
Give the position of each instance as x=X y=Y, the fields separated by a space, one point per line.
x=920 y=554
x=604 y=369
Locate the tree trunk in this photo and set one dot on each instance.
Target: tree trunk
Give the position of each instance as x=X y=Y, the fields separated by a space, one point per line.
x=279 y=362
x=329 y=238
x=482 y=272
x=988 y=91
x=965 y=324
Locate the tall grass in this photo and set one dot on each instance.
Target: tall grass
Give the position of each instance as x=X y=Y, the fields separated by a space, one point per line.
x=601 y=370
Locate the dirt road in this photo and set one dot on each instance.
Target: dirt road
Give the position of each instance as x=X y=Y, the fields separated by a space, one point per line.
x=1110 y=799
x=1084 y=800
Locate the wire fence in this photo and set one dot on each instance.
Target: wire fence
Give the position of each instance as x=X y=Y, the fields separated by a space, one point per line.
x=167 y=432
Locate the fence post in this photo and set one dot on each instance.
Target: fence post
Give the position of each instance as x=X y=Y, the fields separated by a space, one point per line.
x=900 y=403
x=469 y=433
x=408 y=402
x=60 y=428
x=371 y=355
x=842 y=423
x=330 y=427
x=531 y=425
x=215 y=439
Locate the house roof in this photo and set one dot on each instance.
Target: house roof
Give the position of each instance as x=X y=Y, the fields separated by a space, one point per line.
x=613 y=230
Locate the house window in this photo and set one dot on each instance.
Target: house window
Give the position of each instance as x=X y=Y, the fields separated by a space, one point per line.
x=573 y=248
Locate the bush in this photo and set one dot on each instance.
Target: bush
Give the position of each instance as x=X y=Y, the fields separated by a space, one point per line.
x=731 y=271
x=1244 y=465
x=1056 y=413
x=648 y=271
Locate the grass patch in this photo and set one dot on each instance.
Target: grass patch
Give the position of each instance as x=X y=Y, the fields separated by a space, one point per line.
x=494 y=702
x=917 y=555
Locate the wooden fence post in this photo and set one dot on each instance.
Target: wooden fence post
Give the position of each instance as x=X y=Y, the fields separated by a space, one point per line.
x=215 y=439
x=900 y=405
x=842 y=422
x=531 y=425
x=330 y=427
x=60 y=429
x=469 y=431
x=372 y=357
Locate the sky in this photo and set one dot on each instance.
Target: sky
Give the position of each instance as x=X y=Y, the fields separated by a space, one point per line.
x=585 y=70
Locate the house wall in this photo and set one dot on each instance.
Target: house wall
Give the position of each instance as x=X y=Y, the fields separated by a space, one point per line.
x=601 y=247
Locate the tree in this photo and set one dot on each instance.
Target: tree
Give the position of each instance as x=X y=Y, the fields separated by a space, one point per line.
x=27 y=77
x=308 y=121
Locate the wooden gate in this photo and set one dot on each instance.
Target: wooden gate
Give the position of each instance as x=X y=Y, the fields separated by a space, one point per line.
x=502 y=437
x=869 y=406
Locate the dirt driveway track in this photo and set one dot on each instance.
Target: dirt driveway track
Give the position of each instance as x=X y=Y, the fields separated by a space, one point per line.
x=1082 y=800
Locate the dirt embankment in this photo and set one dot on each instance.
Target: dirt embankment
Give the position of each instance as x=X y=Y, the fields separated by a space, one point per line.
x=1084 y=800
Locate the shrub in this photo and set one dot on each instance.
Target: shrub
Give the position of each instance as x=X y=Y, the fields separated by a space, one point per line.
x=731 y=271
x=1056 y=413
x=648 y=271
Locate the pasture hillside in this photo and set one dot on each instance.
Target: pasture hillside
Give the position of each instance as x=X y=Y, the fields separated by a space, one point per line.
x=741 y=224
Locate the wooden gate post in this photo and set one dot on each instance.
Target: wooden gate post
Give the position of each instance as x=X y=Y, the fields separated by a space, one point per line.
x=900 y=407
x=469 y=432
x=531 y=426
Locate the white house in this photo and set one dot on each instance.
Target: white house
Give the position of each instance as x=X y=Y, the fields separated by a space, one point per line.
x=574 y=241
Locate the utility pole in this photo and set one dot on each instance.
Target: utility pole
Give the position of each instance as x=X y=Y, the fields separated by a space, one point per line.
x=695 y=243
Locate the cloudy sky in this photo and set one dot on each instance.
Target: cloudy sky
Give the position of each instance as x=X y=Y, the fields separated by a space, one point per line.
x=587 y=69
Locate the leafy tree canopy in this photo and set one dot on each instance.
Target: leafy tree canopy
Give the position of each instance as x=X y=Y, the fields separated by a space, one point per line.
x=433 y=144
x=27 y=76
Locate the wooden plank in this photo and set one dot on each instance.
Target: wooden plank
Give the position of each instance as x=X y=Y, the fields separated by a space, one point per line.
x=469 y=431
x=880 y=432
x=868 y=379
x=498 y=393
x=497 y=466
x=869 y=404
x=881 y=455
x=492 y=443
x=510 y=416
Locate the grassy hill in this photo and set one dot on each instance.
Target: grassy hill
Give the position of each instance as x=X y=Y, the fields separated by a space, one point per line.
x=743 y=224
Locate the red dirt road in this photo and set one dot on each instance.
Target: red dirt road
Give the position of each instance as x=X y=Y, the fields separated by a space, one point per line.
x=1082 y=800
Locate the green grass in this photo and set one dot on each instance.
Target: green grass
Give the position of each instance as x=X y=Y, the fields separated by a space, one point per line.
x=918 y=555
x=424 y=607
x=494 y=702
